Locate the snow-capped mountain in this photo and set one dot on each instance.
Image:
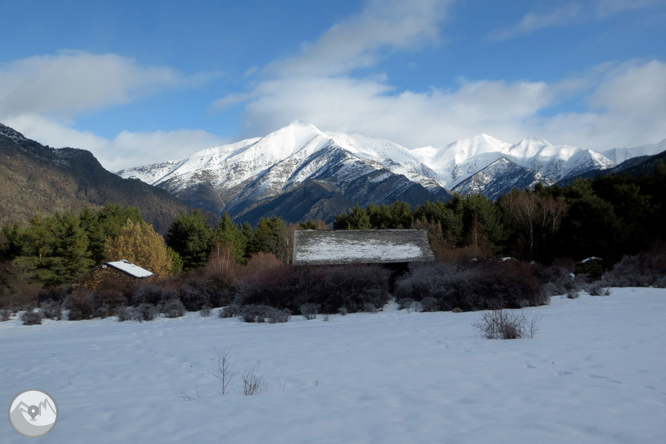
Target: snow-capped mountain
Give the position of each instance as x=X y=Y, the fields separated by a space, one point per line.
x=619 y=155
x=240 y=177
x=255 y=177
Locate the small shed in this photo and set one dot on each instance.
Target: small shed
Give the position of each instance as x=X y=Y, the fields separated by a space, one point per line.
x=120 y=271
x=313 y=247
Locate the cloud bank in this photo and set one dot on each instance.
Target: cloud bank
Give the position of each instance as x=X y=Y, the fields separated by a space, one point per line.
x=42 y=95
x=624 y=103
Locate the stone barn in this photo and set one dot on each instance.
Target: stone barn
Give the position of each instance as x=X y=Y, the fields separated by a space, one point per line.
x=122 y=272
x=395 y=249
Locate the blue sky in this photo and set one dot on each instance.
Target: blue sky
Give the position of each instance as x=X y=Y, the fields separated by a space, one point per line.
x=143 y=81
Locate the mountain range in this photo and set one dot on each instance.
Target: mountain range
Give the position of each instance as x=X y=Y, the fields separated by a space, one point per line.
x=300 y=172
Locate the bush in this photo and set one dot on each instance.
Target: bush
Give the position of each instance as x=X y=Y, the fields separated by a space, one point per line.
x=32 y=318
x=572 y=294
x=342 y=311
x=274 y=315
x=229 y=311
x=51 y=309
x=123 y=313
x=142 y=312
x=205 y=311
x=471 y=286
x=172 y=308
x=309 y=310
x=197 y=291
x=596 y=289
x=106 y=300
x=152 y=294
x=285 y=287
x=558 y=279
x=5 y=315
x=643 y=270
x=427 y=304
x=406 y=303
x=80 y=307
x=503 y=324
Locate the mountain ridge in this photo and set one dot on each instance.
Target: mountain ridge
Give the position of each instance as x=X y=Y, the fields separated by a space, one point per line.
x=37 y=179
x=250 y=174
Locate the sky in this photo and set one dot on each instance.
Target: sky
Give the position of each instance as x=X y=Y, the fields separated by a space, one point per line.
x=143 y=82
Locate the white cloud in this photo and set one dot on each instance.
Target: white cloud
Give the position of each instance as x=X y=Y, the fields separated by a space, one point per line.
x=628 y=108
x=563 y=16
x=41 y=96
x=571 y=14
x=625 y=103
x=355 y=42
x=127 y=149
x=606 y=8
x=75 y=81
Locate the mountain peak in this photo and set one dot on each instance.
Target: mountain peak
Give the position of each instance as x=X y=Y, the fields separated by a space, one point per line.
x=11 y=133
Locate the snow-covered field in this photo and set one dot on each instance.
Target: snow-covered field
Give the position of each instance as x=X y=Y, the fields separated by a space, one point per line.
x=594 y=373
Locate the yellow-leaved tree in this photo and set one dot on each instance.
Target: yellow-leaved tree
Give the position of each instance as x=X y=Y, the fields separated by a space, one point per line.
x=140 y=244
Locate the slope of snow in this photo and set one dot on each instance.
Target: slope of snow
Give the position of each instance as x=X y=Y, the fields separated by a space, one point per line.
x=619 y=155
x=594 y=373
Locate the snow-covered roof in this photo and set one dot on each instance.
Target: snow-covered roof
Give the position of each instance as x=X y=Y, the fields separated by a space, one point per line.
x=313 y=247
x=130 y=268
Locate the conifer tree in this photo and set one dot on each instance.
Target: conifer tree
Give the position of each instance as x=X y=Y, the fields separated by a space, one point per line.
x=227 y=232
x=191 y=237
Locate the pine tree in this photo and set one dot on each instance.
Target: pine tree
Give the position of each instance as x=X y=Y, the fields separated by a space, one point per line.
x=191 y=237
x=227 y=232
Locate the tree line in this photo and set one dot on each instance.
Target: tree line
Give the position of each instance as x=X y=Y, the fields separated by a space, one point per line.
x=608 y=217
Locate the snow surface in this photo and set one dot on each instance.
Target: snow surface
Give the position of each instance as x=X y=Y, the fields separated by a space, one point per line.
x=130 y=268
x=341 y=250
x=594 y=373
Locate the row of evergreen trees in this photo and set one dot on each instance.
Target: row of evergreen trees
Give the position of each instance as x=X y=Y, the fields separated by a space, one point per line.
x=54 y=250
x=608 y=217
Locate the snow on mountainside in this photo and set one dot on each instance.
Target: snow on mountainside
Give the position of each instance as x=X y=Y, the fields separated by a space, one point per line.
x=619 y=155
x=498 y=177
x=243 y=175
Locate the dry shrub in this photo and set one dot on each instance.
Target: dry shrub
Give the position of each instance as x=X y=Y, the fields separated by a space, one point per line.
x=17 y=292
x=107 y=300
x=558 y=278
x=260 y=263
x=117 y=286
x=355 y=287
x=504 y=324
x=51 y=309
x=647 y=269
x=173 y=308
x=309 y=310
x=152 y=293
x=471 y=286
x=5 y=315
x=263 y=313
x=197 y=291
x=222 y=267
x=32 y=318
x=80 y=306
